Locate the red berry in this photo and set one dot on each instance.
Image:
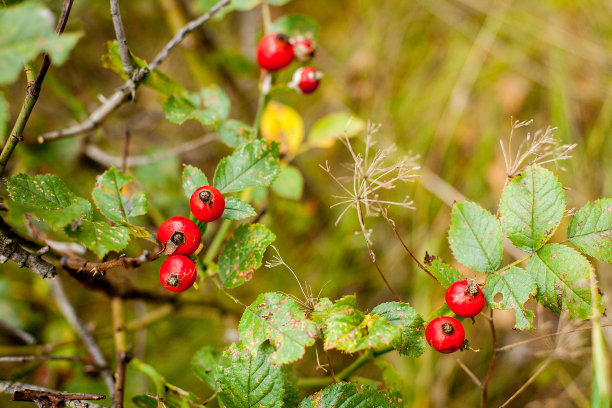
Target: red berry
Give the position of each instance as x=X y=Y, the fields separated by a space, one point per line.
x=445 y=334
x=177 y=273
x=303 y=48
x=465 y=298
x=207 y=204
x=306 y=80
x=274 y=52
x=182 y=232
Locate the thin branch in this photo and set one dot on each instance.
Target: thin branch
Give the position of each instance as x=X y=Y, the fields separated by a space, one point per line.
x=11 y=250
x=28 y=392
x=469 y=373
x=485 y=384
x=25 y=336
x=23 y=359
x=32 y=93
x=94 y=349
x=124 y=52
x=124 y=93
x=75 y=264
x=120 y=350
x=531 y=379
x=545 y=336
x=100 y=156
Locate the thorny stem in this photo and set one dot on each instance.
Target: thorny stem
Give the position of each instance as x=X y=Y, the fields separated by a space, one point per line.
x=32 y=93
x=485 y=384
x=120 y=350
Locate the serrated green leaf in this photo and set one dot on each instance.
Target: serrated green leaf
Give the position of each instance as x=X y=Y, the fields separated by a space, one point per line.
x=47 y=197
x=111 y=201
x=26 y=32
x=236 y=209
x=590 y=229
x=289 y=183
x=100 y=237
x=293 y=25
x=209 y=107
x=475 y=237
x=252 y=164
x=193 y=178
x=515 y=285
x=444 y=273
x=234 y=133
x=242 y=254
x=347 y=395
x=275 y=317
x=531 y=208
x=563 y=279
x=204 y=363
x=325 y=131
x=410 y=341
x=249 y=380
x=348 y=329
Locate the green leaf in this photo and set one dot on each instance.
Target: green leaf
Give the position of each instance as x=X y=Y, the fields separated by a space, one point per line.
x=347 y=395
x=47 y=197
x=289 y=183
x=275 y=317
x=348 y=329
x=100 y=237
x=531 y=208
x=145 y=401
x=277 y=2
x=27 y=31
x=248 y=379
x=393 y=381
x=410 y=341
x=563 y=279
x=293 y=25
x=234 y=133
x=252 y=164
x=204 y=363
x=242 y=254
x=590 y=229
x=324 y=132
x=475 y=237
x=515 y=285
x=236 y=209
x=444 y=273
x=209 y=107
x=4 y=116
x=193 y=178
x=109 y=197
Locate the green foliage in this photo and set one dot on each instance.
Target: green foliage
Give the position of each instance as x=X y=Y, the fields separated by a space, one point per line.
x=248 y=379
x=475 y=237
x=324 y=132
x=531 y=208
x=209 y=107
x=563 y=278
x=293 y=25
x=515 y=285
x=27 y=31
x=275 y=317
x=242 y=254
x=410 y=341
x=444 y=273
x=204 y=363
x=193 y=178
x=100 y=237
x=4 y=116
x=236 y=209
x=234 y=133
x=289 y=183
x=347 y=395
x=252 y=164
x=590 y=229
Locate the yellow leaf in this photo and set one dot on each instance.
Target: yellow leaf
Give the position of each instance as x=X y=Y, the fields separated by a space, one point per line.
x=281 y=123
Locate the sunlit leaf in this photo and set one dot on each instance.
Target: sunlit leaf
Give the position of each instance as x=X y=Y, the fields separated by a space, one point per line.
x=283 y=124
x=410 y=341
x=293 y=25
x=100 y=237
x=591 y=229
x=444 y=273
x=234 y=133
x=325 y=131
x=347 y=395
x=236 y=209
x=204 y=363
x=289 y=183
x=193 y=178
x=515 y=285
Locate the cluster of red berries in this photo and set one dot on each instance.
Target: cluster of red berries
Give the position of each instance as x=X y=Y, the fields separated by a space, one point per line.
x=446 y=334
x=275 y=51
x=178 y=272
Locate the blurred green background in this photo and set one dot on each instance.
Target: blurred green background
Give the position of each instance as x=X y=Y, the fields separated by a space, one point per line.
x=444 y=78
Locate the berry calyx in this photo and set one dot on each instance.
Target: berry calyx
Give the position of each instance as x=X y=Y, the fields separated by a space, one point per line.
x=182 y=232
x=207 y=204
x=177 y=273
x=445 y=334
x=465 y=298
x=303 y=48
x=306 y=80
x=274 y=52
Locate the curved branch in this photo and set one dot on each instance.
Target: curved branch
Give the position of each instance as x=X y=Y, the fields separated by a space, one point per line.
x=11 y=250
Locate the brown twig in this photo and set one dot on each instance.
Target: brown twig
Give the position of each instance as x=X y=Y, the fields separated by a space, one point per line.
x=531 y=379
x=545 y=336
x=124 y=52
x=485 y=384
x=11 y=250
x=25 y=336
x=46 y=396
x=76 y=264
x=120 y=350
x=126 y=150
x=469 y=373
x=23 y=359
x=124 y=93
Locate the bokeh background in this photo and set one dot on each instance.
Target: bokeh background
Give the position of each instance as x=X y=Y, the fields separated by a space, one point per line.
x=444 y=78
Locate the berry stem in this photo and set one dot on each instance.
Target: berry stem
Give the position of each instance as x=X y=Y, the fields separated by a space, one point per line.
x=121 y=350
x=217 y=241
x=261 y=103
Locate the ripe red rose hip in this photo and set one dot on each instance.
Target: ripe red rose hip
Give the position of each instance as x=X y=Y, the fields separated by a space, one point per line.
x=181 y=231
x=465 y=298
x=445 y=334
x=306 y=80
x=274 y=52
x=303 y=48
x=177 y=273
x=207 y=204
